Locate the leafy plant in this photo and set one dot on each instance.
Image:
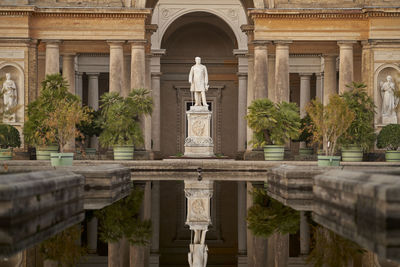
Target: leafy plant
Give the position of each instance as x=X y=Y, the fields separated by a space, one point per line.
x=92 y=127
x=9 y=136
x=389 y=137
x=121 y=219
x=331 y=250
x=120 y=117
x=61 y=122
x=273 y=123
x=268 y=216
x=306 y=130
x=330 y=121
x=361 y=131
x=63 y=247
x=54 y=89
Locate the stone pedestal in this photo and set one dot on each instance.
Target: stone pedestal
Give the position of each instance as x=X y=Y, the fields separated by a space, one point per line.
x=199 y=142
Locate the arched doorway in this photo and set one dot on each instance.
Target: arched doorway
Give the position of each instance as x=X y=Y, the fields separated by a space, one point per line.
x=208 y=36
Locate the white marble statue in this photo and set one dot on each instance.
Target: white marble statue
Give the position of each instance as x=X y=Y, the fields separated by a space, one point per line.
x=389 y=101
x=198 y=78
x=9 y=91
x=198 y=254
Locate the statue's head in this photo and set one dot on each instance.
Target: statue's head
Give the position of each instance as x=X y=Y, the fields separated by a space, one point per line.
x=8 y=76
x=389 y=78
x=197 y=60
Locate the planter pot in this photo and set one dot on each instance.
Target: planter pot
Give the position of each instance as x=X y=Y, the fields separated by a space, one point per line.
x=274 y=152
x=324 y=161
x=352 y=153
x=90 y=151
x=5 y=154
x=61 y=159
x=43 y=152
x=123 y=152
x=392 y=155
x=306 y=151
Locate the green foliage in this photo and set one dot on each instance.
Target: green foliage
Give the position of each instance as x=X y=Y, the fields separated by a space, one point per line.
x=273 y=123
x=120 y=117
x=63 y=247
x=9 y=136
x=306 y=130
x=54 y=89
x=330 y=121
x=389 y=137
x=268 y=216
x=121 y=219
x=330 y=250
x=361 y=131
x=91 y=128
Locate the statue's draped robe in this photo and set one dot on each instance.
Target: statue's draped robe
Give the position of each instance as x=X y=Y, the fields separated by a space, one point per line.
x=198 y=77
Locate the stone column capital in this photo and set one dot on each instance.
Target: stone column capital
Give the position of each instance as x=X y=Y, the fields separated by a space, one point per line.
x=242 y=75
x=156 y=74
x=305 y=75
x=78 y=73
x=51 y=41
x=68 y=54
x=116 y=43
x=283 y=43
x=329 y=56
x=319 y=74
x=261 y=44
x=137 y=43
x=346 y=44
x=93 y=74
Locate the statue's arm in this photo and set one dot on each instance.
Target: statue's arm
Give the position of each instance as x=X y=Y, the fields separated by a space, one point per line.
x=191 y=75
x=205 y=75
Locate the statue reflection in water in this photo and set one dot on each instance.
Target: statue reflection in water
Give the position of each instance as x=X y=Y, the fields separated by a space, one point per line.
x=198 y=249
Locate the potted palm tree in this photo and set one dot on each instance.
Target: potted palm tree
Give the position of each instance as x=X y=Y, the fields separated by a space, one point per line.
x=360 y=136
x=120 y=121
x=273 y=124
x=389 y=138
x=330 y=123
x=9 y=138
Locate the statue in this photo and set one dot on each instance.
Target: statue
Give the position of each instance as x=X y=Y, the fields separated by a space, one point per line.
x=9 y=91
x=198 y=255
x=389 y=101
x=198 y=78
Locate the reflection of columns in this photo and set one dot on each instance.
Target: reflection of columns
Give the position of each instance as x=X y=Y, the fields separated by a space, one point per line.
x=329 y=77
x=346 y=65
x=155 y=220
x=242 y=106
x=79 y=85
x=271 y=78
x=304 y=234
x=319 y=87
x=249 y=234
x=282 y=90
x=52 y=57
x=68 y=71
x=156 y=115
x=92 y=234
x=242 y=245
x=116 y=66
x=304 y=92
x=260 y=69
x=93 y=100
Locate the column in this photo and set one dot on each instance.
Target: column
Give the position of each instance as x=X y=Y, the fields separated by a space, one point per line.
x=68 y=71
x=93 y=100
x=52 y=57
x=155 y=220
x=116 y=66
x=138 y=64
x=319 y=87
x=250 y=98
x=329 y=77
x=260 y=69
x=113 y=254
x=33 y=70
x=271 y=78
x=92 y=225
x=304 y=92
x=242 y=106
x=304 y=234
x=242 y=228
x=346 y=65
x=41 y=70
x=79 y=85
x=126 y=82
x=282 y=89
x=156 y=116
x=367 y=66
x=147 y=118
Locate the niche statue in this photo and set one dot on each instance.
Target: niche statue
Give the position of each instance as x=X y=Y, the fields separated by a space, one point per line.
x=9 y=91
x=198 y=79
x=389 y=101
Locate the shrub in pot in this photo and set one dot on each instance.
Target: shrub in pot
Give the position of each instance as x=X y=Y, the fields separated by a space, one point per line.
x=54 y=88
x=360 y=136
x=273 y=125
x=306 y=136
x=120 y=121
x=9 y=138
x=330 y=123
x=389 y=138
x=89 y=130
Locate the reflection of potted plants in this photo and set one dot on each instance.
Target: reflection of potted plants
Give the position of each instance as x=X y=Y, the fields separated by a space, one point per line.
x=120 y=121
x=88 y=130
x=360 y=136
x=54 y=88
x=273 y=124
x=389 y=138
x=330 y=123
x=9 y=138
x=61 y=125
